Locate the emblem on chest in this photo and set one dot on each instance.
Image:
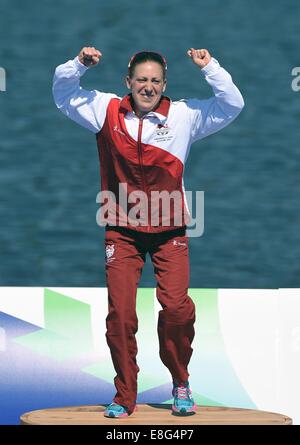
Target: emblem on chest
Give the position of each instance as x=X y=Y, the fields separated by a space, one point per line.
x=162 y=130
x=163 y=133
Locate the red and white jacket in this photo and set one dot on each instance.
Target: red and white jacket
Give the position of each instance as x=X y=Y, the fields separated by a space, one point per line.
x=146 y=154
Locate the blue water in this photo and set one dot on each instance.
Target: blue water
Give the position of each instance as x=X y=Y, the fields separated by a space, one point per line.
x=49 y=173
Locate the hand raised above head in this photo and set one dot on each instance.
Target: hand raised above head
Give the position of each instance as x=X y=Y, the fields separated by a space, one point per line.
x=89 y=56
x=200 y=57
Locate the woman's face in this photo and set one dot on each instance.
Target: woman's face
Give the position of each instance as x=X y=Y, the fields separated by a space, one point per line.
x=147 y=85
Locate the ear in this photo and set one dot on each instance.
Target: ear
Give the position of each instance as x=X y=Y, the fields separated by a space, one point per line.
x=128 y=82
x=165 y=85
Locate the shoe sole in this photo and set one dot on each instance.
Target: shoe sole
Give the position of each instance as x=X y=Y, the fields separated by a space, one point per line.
x=183 y=411
x=111 y=415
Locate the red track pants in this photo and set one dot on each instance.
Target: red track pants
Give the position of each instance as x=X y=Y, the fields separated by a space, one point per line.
x=125 y=257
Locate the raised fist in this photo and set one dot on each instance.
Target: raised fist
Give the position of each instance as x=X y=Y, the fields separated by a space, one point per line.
x=89 y=56
x=200 y=57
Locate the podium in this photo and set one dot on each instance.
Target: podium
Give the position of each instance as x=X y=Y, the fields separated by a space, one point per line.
x=153 y=414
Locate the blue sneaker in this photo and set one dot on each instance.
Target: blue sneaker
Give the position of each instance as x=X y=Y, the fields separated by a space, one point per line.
x=183 y=404
x=115 y=410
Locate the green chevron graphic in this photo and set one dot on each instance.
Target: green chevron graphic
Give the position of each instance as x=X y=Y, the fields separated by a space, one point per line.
x=67 y=333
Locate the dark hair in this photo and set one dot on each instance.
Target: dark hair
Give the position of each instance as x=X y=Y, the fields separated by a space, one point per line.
x=145 y=56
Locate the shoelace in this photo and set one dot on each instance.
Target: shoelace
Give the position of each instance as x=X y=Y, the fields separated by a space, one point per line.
x=182 y=392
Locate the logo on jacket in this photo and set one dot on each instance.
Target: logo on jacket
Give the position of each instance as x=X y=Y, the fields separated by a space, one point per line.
x=116 y=128
x=163 y=133
x=162 y=130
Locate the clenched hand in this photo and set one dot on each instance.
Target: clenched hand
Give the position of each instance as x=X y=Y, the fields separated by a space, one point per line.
x=200 y=57
x=89 y=56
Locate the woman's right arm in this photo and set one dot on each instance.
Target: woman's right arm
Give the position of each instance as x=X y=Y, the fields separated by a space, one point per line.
x=87 y=108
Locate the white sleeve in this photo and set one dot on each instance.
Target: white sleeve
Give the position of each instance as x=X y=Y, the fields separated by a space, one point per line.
x=87 y=108
x=210 y=115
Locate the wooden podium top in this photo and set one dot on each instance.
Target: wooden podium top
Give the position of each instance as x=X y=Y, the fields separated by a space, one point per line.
x=153 y=414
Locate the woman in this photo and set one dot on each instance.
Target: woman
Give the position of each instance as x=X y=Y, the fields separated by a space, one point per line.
x=143 y=141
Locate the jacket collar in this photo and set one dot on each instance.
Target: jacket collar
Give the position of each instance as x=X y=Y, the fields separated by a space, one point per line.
x=161 y=110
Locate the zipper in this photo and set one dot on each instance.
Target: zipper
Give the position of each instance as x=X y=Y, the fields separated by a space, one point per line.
x=140 y=153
